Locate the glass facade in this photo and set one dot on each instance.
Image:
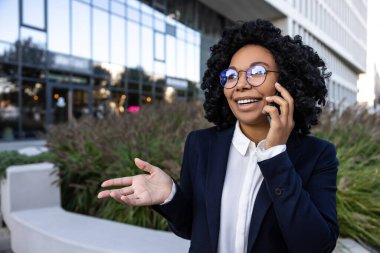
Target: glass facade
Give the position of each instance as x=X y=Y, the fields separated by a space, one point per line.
x=61 y=60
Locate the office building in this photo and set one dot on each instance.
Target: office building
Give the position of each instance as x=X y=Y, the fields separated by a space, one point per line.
x=63 y=59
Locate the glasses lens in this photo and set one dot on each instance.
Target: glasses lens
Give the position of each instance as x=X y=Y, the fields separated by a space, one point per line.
x=228 y=78
x=256 y=75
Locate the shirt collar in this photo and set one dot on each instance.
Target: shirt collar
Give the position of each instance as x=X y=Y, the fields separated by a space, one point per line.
x=240 y=141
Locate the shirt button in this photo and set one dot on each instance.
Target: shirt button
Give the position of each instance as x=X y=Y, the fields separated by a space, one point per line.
x=278 y=191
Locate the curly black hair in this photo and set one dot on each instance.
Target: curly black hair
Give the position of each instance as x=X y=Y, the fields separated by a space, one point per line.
x=302 y=72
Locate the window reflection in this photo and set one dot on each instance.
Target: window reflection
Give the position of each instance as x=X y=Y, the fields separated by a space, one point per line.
x=101 y=3
x=118 y=40
x=33 y=13
x=135 y=52
x=134 y=3
x=100 y=38
x=133 y=44
x=171 y=66
x=181 y=59
x=147 y=19
x=81 y=30
x=159 y=46
x=147 y=45
x=8 y=70
x=9 y=20
x=34 y=104
x=117 y=73
x=33 y=47
x=133 y=14
x=9 y=110
x=37 y=38
x=159 y=21
x=109 y=102
x=58 y=26
x=8 y=52
x=101 y=75
x=190 y=59
x=118 y=8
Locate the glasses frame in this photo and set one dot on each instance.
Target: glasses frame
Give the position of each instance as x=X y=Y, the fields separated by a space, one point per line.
x=246 y=76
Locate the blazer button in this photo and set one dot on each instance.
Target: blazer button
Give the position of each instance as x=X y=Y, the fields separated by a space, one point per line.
x=278 y=191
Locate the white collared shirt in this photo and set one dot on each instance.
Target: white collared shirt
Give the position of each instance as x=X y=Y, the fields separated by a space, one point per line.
x=241 y=185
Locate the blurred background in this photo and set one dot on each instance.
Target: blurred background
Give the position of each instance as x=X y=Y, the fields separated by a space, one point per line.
x=91 y=84
x=61 y=60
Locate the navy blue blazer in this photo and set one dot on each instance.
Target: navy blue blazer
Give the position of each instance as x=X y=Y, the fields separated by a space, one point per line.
x=295 y=209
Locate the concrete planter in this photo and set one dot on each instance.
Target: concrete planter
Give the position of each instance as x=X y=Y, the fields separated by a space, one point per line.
x=31 y=207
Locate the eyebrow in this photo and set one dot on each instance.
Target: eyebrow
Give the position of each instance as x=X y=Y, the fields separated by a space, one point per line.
x=259 y=63
x=253 y=64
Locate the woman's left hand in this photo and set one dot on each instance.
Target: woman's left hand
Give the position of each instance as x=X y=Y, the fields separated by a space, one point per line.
x=282 y=122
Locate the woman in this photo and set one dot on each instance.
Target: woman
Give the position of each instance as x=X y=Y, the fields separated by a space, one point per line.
x=256 y=182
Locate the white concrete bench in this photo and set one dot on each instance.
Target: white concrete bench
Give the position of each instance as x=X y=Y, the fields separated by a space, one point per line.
x=32 y=210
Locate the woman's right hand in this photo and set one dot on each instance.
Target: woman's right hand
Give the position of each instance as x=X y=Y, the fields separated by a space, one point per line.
x=141 y=190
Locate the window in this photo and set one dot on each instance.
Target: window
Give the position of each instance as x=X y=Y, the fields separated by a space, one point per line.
x=58 y=26
x=9 y=21
x=159 y=21
x=118 y=8
x=133 y=44
x=181 y=59
x=81 y=30
x=101 y=4
x=100 y=39
x=133 y=14
x=147 y=45
x=117 y=40
x=170 y=55
x=159 y=46
x=9 y=109
x=33 y=13
x=147 y=19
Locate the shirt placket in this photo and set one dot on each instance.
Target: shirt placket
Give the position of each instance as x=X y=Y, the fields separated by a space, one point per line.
x=245 y=201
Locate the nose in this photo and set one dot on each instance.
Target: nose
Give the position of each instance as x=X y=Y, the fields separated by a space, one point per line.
x=242 y=82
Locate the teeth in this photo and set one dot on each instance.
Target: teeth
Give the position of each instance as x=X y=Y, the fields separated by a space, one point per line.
x=247 y=101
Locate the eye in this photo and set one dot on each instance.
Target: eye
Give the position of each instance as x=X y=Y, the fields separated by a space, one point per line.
x=231 y=74
x=257 y=71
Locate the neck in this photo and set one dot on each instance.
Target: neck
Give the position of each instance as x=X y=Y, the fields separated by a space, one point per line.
x=255 y=132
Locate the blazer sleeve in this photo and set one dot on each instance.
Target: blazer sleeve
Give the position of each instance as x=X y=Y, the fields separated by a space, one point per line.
x=306 y=213
x=179 y=212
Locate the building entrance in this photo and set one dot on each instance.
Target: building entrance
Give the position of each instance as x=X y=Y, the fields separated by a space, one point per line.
x=67 y=102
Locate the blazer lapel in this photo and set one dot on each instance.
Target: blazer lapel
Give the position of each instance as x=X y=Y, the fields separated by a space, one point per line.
x=216 y=171
x=263 y=201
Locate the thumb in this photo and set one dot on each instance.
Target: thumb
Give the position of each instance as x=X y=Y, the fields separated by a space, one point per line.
x=143 y=165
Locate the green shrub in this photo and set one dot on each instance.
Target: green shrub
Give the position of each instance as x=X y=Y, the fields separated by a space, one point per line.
x=91 y=151
x=356 y=134
x=9 y=158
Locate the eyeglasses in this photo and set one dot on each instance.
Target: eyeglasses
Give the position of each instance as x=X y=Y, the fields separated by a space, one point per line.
x=255 y=76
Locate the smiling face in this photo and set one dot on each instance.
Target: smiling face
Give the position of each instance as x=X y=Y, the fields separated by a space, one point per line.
x=246 y=101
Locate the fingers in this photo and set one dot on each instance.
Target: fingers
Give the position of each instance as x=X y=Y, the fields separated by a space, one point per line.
x=284 y=106
x=122 y=181
x=115 y=192
x=288 y=98
x=104 y=194
x=124 y=196
x=145 y=166
x=273 y=113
